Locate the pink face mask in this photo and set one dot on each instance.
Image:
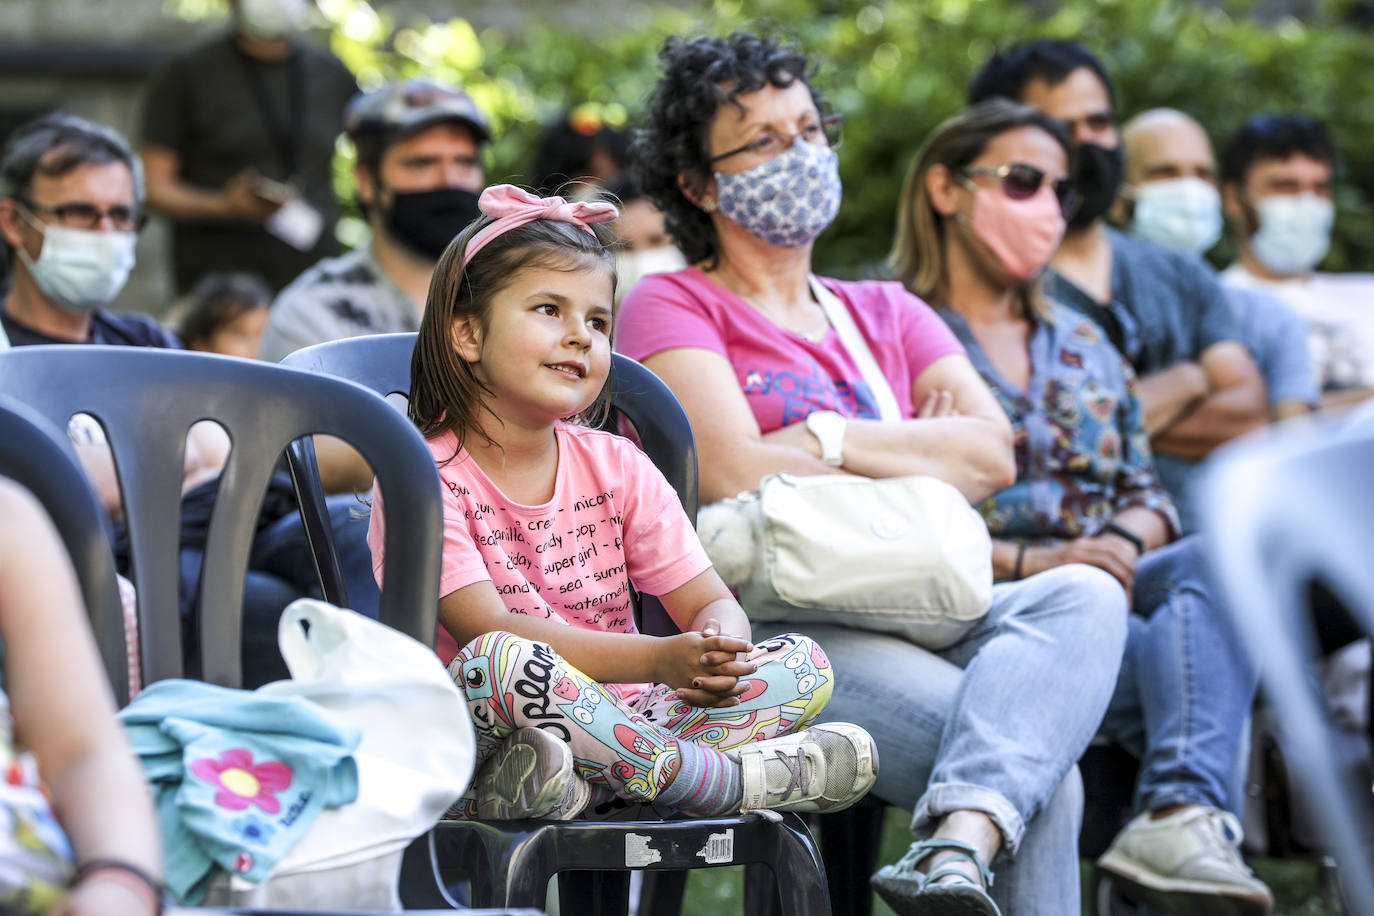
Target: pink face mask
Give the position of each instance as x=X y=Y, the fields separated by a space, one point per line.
x=1022 y=234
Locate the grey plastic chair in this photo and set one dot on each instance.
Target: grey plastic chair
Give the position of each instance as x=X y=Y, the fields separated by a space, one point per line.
x=511 y=862
x=1284 y=512
x=38 y=455
x=146 y=400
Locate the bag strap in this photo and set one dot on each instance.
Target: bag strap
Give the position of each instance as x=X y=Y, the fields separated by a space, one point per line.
x=854 y=342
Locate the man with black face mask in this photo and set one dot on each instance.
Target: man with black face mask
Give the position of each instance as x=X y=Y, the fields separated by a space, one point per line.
x=418 y=172
x=1162 y=308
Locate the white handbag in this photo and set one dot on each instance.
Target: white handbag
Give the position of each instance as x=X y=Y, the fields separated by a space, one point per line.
x=902 y=555
x=415 y=758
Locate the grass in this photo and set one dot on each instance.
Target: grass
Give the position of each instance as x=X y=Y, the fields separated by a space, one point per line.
x=717 y=891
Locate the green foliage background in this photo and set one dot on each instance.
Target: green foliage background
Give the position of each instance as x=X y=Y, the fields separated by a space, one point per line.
x=896 y=68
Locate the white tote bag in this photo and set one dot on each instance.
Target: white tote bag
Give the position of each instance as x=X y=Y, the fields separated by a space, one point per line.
x=414 y=761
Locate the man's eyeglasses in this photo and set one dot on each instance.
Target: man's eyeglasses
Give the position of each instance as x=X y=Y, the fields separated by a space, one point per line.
x=81 y=215
x=827 y=130
x=1021 y=181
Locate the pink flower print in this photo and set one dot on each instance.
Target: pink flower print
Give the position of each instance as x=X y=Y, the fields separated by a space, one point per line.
x=242 y=782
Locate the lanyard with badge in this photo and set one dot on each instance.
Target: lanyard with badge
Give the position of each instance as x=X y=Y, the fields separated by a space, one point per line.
x=295 y=222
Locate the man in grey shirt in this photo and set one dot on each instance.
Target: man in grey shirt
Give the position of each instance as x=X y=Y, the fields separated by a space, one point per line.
x=419 y=173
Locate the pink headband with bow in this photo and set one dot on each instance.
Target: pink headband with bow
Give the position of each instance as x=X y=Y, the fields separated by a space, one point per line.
x=512 y=207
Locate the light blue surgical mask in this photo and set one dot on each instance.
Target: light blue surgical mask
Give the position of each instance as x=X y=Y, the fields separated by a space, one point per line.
x=1182 y=213
x=81 y=269
x=788 y=200
x=1294 y=232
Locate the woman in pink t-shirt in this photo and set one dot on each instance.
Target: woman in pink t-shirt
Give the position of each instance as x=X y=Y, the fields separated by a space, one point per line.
x=980 y=739
x=549 y=525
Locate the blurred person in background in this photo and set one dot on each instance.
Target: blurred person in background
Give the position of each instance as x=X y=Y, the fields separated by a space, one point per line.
x=580 y=148
x=238 y=142
x=225 y=313
x=418 y=172
x=645 y=245
x=1277 y=177
x=1162 y=309
x=1170 y=197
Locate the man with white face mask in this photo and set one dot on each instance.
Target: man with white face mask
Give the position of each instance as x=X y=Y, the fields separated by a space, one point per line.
x=71 y=196
x=238 y=142
x=1277 y=176
x=71 y=200
x=1170 y=197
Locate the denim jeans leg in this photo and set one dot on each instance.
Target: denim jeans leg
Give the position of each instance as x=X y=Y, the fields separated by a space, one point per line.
x=915 y=703
x=1038 y=673
x=283 y=549
x=1195 y=681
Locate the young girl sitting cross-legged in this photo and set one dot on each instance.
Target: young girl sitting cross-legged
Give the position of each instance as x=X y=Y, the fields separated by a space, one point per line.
x=548 y=526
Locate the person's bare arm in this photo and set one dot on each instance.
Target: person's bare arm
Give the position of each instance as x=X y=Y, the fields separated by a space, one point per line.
x=1345 y=397
x=1168 y=395
x=239 y=201
x=342 y=468
x=1235 y=405
x=64 y=711
x=972 y=451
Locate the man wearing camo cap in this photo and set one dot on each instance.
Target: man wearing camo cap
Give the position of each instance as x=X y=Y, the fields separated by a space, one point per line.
x=418 y=174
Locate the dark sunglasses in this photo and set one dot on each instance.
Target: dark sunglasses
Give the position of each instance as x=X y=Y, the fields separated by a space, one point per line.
x=1021 y=182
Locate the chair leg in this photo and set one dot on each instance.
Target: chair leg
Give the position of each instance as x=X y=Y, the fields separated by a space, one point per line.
x=594 y=892
x=799 y=872
x=661 y=893
x=761 y=891
x=850 y=843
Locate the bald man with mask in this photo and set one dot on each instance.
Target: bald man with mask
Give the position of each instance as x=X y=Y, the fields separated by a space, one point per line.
x=1170 y=197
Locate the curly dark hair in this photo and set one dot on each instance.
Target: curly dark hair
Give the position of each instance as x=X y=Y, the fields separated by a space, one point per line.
x=699 y=76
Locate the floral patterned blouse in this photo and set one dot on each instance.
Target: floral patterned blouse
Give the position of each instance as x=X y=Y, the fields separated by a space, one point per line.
x=1082 y=451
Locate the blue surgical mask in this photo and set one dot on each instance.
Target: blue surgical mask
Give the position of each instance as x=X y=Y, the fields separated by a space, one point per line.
x=788 y=200
x=1294 y=232
x=1182 y=213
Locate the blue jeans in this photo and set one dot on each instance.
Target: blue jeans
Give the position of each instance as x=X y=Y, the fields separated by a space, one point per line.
x=1186 y=686
x=994 y=723
x=280 y=570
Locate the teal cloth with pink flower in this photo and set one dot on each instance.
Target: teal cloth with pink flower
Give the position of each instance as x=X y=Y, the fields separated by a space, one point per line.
x=238 y=777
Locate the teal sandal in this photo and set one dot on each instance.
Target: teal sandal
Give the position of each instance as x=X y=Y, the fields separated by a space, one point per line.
x=911 y=893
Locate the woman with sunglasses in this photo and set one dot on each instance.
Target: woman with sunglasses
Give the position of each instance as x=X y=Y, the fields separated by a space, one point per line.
x=738 y=152
x=981 y=213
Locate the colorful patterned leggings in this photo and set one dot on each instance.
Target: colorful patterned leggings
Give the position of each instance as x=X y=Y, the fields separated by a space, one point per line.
x=512 y=682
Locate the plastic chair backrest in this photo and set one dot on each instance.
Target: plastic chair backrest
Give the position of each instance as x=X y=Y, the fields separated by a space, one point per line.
x=1284 y=512
x=38 y=455
x=147 y=399
x=381 y=362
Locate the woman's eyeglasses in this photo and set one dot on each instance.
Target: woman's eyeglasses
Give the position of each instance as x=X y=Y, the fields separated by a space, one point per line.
x=81 y=215
x=827 y=131
x=1021 y=181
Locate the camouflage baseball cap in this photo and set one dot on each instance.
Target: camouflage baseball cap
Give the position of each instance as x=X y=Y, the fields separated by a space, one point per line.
x=400 y=109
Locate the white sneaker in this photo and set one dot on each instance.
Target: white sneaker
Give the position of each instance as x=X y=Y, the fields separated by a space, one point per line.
x=1188 y=864
x=530 y=776
x=827 y=767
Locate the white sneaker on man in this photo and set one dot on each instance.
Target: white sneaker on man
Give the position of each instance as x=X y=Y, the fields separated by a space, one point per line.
x=1187 y=863
x=827 y=767
x=530 y=776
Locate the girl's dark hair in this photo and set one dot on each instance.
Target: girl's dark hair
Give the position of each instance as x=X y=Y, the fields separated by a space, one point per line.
x=217 y=299
x=445 y=394
x=918 y=257
x=699 y=76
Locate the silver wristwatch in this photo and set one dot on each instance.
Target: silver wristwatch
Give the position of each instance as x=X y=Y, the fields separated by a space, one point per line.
x=828 y=428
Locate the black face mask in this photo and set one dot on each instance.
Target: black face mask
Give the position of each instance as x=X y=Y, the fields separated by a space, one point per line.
x=426 y=221
x=1097 y=175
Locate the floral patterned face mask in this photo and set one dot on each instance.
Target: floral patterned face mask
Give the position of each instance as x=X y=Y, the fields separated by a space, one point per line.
x=788 y=200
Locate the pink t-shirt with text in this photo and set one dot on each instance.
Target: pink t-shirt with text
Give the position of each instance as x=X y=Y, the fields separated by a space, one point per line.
x=613 y=522
x=784 y=375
